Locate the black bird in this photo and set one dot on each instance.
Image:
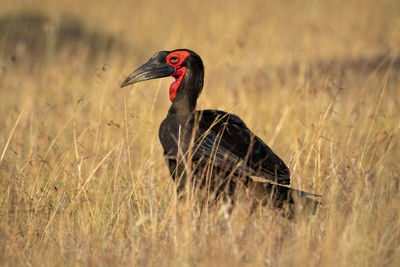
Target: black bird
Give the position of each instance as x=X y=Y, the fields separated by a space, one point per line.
x=212 y=149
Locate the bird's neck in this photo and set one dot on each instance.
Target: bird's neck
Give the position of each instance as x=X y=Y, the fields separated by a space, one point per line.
x=187 y=93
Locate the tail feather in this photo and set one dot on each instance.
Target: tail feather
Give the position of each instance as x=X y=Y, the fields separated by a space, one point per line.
x=282 y=196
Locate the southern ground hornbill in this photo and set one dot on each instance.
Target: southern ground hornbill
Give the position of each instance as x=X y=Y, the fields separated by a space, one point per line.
x=212 y=151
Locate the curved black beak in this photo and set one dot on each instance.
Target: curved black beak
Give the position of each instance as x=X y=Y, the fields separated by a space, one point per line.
x=152 y=69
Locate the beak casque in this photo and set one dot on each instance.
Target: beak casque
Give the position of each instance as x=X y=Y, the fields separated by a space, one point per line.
x=152 y=69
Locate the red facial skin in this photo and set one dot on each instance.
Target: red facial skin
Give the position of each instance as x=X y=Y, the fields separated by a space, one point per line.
x=179 y=71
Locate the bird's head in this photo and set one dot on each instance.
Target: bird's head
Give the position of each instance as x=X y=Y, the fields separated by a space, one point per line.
x=182 y=64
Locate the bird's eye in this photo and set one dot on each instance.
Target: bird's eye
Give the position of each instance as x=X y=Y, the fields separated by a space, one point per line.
x=174 y=60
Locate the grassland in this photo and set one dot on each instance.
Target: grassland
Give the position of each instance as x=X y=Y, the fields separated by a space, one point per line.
x=82 y=177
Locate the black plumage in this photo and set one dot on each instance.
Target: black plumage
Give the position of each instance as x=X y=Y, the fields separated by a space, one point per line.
x=210 y=151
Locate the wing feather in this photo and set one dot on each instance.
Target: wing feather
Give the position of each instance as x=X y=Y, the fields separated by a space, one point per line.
x=225 y=139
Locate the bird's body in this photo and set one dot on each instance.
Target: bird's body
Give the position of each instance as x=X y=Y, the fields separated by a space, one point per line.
x=209 y=151
x=220 y=149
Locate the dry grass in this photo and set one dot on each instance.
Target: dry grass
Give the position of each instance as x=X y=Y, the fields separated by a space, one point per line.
x=82 y=178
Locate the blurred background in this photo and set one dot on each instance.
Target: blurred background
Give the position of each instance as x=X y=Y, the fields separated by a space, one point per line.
x=82 y=173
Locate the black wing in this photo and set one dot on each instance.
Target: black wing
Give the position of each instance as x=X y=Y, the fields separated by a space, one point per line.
x=224 y=139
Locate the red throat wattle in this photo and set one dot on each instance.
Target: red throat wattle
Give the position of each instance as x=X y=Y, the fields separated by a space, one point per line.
x=176 y=59
x=178 y=75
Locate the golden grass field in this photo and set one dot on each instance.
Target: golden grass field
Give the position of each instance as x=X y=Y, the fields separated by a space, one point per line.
x=82 y=176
